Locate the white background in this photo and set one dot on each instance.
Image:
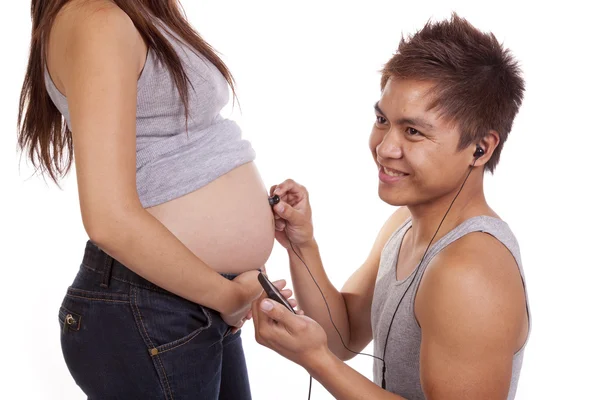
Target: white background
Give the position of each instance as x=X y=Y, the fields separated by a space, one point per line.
x=307 y=80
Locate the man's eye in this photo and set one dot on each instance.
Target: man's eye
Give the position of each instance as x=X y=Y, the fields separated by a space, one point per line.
x=412 y=131
x=381 y=120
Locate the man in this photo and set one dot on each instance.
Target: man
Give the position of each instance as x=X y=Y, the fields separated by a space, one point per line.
x=442 y=292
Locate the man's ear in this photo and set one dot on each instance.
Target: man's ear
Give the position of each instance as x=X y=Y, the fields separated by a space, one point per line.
x=484 y=149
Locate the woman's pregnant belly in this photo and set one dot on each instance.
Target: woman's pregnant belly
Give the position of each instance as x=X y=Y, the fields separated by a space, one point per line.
x=228 y=223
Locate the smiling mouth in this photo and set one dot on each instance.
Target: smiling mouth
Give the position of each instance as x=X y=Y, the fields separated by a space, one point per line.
x=392 y=172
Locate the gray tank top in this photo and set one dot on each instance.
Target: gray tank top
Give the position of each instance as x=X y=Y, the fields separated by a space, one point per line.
x=171 y=162
x=404 y=344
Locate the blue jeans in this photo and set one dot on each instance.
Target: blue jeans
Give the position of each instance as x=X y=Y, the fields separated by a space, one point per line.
x=126 y=338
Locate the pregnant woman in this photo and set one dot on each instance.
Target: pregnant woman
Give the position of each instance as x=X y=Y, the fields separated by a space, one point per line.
x=176 y=212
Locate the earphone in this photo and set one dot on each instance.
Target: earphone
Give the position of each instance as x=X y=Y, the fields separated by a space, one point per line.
x=479 y=152
x=274 y=200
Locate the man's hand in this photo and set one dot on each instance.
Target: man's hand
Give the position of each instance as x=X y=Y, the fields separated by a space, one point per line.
x=296 y=337
x=251 y=289
x=292 y=214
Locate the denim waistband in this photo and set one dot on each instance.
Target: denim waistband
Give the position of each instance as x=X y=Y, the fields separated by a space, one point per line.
x=96 y=259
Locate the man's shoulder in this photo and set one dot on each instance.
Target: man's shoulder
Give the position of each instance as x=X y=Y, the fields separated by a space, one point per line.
x=475 y=275
x=475 y=251
x=393 y=223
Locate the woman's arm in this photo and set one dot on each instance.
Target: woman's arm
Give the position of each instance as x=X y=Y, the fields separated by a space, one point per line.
x=102 y=57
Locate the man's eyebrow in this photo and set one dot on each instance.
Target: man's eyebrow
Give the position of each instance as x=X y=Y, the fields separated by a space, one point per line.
x=415 y=122
x=407 y=121
x=376 y=107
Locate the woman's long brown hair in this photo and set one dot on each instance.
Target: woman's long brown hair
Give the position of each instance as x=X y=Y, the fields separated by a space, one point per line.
x=42 y=133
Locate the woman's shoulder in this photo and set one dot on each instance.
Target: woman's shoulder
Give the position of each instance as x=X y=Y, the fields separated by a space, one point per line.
x=93 y=25
x=84 y=11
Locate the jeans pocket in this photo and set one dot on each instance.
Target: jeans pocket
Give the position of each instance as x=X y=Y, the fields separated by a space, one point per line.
x=92 y=323
x=68 y=320
x=167 y=321
x=77 y=301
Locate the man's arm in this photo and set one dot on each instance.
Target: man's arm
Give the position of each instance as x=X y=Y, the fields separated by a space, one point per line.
x=359 y=289
x=303 y=341
x=345 y=383
x=471 y=309
x=350 y=308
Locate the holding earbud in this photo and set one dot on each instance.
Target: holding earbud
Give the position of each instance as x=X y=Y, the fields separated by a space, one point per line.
x=274 y=200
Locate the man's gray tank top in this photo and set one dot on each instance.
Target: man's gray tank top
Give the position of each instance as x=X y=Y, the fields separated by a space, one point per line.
x=404 y=344
x=170 y=161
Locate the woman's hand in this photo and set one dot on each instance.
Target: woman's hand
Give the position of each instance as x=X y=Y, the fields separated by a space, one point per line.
x=293 y=216
x=296 y=337
x=250 y=289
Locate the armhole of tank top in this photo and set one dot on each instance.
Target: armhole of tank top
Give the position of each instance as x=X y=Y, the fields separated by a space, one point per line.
x=419 y=277
x=145 y=69
x=519 y=267
x=521 y=275
x=48 y=81
x=140 y=80
x=396 y=233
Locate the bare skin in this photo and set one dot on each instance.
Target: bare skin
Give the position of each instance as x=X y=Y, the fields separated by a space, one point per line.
x=471 y=301
x=94 y=57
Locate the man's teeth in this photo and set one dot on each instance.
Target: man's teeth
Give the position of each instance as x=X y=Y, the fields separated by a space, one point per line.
x=391 y=172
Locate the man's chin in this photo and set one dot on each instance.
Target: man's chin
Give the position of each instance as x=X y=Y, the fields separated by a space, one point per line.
x=393 y=198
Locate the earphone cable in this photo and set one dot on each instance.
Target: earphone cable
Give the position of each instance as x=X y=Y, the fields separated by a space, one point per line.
x=383 y=382
x=382 y=359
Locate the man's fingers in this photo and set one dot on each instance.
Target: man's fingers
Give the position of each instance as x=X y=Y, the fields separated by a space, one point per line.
x=288 y=213
x=290 y=189
x=255 y=310
x=284 y=187
x=280 y=224
x=261 y=320
x=281 y=315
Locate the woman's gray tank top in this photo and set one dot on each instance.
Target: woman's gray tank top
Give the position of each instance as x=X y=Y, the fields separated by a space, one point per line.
x=403 y=349
x=170 y=161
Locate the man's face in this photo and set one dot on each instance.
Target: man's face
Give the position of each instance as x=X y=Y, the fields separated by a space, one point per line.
x=415 y=150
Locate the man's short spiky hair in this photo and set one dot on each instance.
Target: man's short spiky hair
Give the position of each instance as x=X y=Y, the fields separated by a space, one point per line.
x=478 y=84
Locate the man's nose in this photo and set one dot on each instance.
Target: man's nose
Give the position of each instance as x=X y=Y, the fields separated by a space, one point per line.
x=390 y=146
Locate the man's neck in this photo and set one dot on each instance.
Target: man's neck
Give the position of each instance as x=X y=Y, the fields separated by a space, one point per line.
x=427 y=217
